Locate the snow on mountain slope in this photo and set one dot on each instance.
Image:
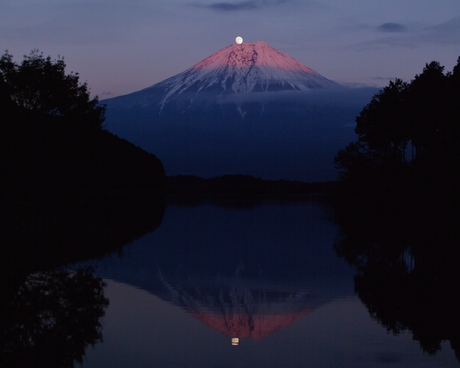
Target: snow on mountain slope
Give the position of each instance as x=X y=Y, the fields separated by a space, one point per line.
x=248 y=67
x=238 y=69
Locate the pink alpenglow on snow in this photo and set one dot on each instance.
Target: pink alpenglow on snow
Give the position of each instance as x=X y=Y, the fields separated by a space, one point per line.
x=247 y=67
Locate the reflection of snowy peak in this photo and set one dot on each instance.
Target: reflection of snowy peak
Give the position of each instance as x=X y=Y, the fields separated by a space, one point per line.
x=248 y=67
x=239 y=308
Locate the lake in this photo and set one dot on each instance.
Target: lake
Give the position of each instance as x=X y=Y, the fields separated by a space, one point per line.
x=228 y=286
x=243 y=287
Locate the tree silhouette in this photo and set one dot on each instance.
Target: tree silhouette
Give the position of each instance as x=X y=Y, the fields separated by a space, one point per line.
x=398 y=215
x=407 y=272
x=52 y=144
x=423 y=113
x=52 y=319
x=40 y=86
x=382 y=126
x=427 y=100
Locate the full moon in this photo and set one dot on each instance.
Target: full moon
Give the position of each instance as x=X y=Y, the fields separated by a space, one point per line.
x=239 y=40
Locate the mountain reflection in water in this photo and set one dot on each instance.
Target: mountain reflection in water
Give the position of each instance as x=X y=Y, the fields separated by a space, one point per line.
x=265 y=279
x=245 y=273
x=239 y=310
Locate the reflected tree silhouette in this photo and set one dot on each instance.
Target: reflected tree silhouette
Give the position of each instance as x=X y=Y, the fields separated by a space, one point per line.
x=48 y=318
x=419 y=302
x=52 y=319
x=407 y=273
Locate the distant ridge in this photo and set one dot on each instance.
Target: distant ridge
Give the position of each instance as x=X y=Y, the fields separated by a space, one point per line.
x=242 y=190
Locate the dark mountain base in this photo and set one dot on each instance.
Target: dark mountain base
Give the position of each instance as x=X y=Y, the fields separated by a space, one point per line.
x=292 y=138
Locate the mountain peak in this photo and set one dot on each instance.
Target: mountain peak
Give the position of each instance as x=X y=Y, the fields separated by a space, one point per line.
x=250 y=54
x=246 y=109
x=243 y=68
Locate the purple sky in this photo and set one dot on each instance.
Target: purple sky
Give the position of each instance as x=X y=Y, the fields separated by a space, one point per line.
x=120 y=46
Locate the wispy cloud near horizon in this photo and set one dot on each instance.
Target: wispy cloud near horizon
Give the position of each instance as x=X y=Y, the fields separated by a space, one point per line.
x=444 y=33
x=392 y=27
x=239 y=6
x=411 y=36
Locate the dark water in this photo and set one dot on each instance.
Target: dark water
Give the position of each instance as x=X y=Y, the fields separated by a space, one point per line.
x=218 y=287
x=256 y=287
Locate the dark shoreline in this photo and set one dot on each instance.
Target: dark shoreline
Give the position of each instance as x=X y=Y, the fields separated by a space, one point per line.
x=38 y=234
x=227 y=189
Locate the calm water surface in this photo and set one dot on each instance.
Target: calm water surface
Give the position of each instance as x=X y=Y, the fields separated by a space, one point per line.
x=252 y=287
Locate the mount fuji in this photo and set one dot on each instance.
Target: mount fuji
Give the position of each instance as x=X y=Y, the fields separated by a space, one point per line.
x=246 y=109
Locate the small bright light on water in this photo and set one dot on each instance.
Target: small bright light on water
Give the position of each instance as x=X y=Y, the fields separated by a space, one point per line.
x=235 y=341
x=239 y=40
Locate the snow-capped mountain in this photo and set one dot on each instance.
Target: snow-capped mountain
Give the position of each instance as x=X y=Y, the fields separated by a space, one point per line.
x=243 y=68
x=246 y=109
x=236 y=69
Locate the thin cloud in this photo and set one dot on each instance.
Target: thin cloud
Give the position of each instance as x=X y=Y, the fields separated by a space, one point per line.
x=392 y=27
x=239 y=6
x=444 y=33
x=380 y=78
x=225 y=7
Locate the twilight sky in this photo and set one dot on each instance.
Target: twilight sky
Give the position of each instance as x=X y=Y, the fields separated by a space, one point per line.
x=121 y=46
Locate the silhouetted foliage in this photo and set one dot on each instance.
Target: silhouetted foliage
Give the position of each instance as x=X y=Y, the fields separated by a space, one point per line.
x=52 y=144
x=52 y=319
x=69 y=191
x=398 y=210
x=39 y=87
x=407 y=270
x=382 y=127
x=422 y=115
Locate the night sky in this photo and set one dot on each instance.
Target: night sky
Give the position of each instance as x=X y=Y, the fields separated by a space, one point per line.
x=120 y=46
